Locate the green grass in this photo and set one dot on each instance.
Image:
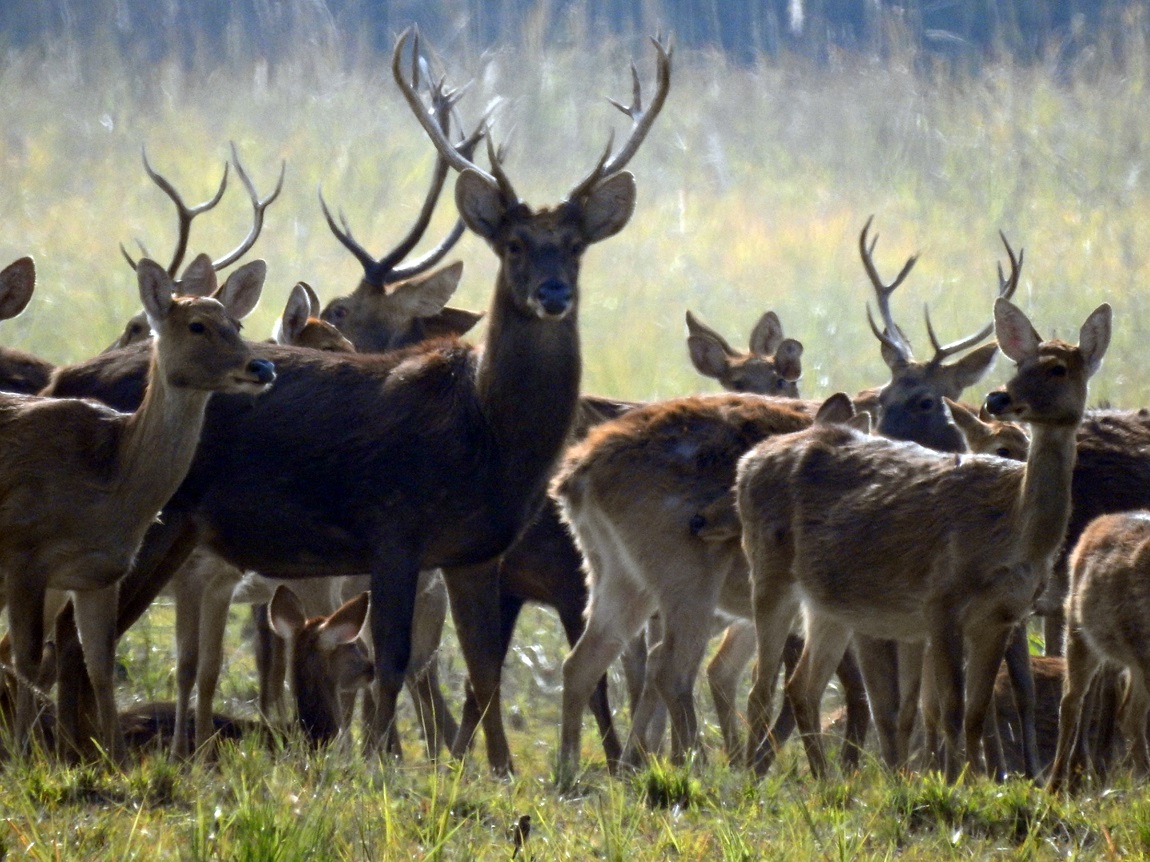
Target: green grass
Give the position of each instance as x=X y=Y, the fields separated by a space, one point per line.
x=753 y=187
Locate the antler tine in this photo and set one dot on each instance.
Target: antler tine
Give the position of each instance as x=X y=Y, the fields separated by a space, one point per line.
x=1006 y=288
x=641 y=119
x=184 y=212
x=453 y=157
x=344 y=236
x=895 y=339
x=258 y=207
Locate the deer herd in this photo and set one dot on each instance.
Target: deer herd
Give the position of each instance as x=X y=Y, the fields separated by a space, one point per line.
x=374 y=469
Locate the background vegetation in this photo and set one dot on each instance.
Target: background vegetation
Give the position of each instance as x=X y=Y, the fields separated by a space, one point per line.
x=753 y=187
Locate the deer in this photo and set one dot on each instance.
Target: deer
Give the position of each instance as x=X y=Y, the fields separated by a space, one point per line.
x=544 y=565
x=20 y=372
x=1106 y=623
x=80 y=483
x=807 y=503
x=435 y=455
x=194 y=276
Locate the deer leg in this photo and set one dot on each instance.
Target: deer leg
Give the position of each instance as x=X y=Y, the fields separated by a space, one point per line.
x=775 y=610
x=946 y=658
x=616 y=611
x=1133 y=715
x=726 y=667
x=1022 y=686
x=572 y=621
x=858 y=710
x=648 y=710
x=985 y=651
x=394 y=585
x=439 y=728
x=932 y=753
x=1081 y=665
x=878 y=663
x=95 y=623
x=910 y=665
x=214 y=604
x=826 y=642
x=26 y=627
x=271 y=664
x=476 y=608
x=187 y=656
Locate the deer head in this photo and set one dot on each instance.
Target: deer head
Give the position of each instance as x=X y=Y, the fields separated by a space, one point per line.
x=773 y=365
x=300 y=324
x=986 y=435
x=912 y=405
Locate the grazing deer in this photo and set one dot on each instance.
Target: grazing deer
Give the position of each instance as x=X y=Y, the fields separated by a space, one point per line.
x=965 y=544
x=328 y=664
x=431 y=456
x=80 y=484
x=1107 y=621
x=195 y=275
x=20 y=372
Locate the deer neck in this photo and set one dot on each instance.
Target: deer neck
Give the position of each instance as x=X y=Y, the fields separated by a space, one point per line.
x=159 y=441
x=528 y=388
x=1044 y=503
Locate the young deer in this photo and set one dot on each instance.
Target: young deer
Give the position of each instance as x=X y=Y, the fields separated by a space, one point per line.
x=328 y=664
x=80 y=484
x=1107 y=621
x=966 y=542
x=771 y=367
x=431 y=456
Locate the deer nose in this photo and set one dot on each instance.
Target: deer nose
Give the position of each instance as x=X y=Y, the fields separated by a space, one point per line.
x=554 y=295
x=263 y=370
x=997 y=403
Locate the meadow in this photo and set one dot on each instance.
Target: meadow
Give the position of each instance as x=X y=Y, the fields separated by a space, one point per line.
x=753 y=187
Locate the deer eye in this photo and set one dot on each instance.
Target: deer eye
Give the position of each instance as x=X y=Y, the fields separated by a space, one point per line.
x=1058 y=371
x=196 y=327
x=1002 y=452
x=336 y=313
x=926 y=404
x=514 y=247
x=576 y=247
x=781 y=383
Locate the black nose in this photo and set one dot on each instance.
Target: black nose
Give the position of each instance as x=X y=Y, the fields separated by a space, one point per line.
x=264 y=370
x=554 y=295
x=997 y=403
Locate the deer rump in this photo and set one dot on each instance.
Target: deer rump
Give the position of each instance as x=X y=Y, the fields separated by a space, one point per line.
x=328 y=469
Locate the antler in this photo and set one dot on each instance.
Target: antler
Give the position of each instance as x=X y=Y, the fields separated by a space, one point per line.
x=185 y=214
x=893 y=336
x=1006 y=288
x=258 y=207
x=387 y=270
x=641 y=121
x=452 y=154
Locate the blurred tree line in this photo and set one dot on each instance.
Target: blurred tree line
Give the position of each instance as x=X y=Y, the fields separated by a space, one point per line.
x=963 y=30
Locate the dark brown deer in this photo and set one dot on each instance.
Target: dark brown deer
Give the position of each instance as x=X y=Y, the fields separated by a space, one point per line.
x=963 y=547
x=79 y=483
x=194 y=277
x=436 y=455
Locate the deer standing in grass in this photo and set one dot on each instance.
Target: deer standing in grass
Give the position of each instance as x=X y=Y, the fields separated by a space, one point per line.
x=80 y=483
x=878 y=537
x=432 y=456
x=1107 y=621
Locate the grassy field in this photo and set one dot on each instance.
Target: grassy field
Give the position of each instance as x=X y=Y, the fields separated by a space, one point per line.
x=753 y=186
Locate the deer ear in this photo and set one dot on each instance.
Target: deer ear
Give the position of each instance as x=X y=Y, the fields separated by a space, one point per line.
x=788 y=359
x=963 y=417
x=313 y=305
x=1094 y=337
x=426 y=295
x=199 y=278
x=285 y=613
x=836 y=410
x=345 y=623
x=1016 y=336
x=241 y=292
x=17 y=281
x=450 y=322
x=970 y=369
x=608 y=206
x=481 y=205
x=767 y=335
x=709 y=355
x=156 y=288
x=294 y=318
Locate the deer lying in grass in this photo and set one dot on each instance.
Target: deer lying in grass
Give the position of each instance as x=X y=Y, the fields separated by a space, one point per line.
x=1107 y=621
x=965 y=544
x=431 y=456
x=20 y=372
x=79 y=483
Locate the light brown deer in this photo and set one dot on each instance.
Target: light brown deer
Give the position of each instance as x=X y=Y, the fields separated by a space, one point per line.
x=1107 y=621
x=434 y=456
x=300 y=324
x=771 y=367
x=195 y=275
x=80 y=483
x=886 y=538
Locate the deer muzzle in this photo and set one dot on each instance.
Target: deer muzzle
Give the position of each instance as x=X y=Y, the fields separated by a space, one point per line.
x=554 y=296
